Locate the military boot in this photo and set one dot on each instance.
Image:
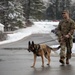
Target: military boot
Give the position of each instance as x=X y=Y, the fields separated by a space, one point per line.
x=67 y=61
x=68 y=57
x=62 y=60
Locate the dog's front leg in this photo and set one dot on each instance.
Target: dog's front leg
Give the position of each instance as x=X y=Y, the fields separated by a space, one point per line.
x=34 y=61
x=42 y=60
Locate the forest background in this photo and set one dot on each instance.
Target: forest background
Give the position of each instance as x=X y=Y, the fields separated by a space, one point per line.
x=17 y=13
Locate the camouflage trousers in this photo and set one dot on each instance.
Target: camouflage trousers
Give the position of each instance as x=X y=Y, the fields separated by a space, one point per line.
x=66 y=48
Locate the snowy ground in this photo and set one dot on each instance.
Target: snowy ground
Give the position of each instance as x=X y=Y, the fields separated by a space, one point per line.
x=38 y=27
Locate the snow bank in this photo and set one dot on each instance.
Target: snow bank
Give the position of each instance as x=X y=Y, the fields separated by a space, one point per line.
x=38 y=27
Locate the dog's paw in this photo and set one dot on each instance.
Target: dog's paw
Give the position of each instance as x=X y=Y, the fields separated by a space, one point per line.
x=48 y=64
x=42 y=65
x=32 y=66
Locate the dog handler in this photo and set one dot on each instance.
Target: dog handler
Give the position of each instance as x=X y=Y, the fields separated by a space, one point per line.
x=65 y=33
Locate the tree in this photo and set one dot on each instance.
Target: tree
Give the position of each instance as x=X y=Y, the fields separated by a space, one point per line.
x=73 y=11
x=50 y=14
x=4 y=13
x=15 y=15
x=11 y=13
x=37 y=9
x=57 y=6
x=27 y=9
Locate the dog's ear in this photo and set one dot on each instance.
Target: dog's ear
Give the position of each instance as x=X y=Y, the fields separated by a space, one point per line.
x=29 y=43
x=32 y=43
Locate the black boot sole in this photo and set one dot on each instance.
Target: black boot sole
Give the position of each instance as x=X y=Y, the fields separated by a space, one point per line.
x=61 y=62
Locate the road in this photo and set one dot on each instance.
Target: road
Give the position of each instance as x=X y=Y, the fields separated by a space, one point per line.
x=37 y=38
x=15 y=60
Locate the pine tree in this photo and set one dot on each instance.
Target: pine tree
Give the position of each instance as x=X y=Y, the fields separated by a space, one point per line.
x=4 y=12
x=68 y=4
x=15 y=15
x=37 y=9
x=57 y=6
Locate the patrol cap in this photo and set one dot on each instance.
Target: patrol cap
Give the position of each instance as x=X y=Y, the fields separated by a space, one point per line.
x=65 y=11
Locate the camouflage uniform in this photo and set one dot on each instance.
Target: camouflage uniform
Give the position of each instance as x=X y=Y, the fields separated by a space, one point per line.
x=66 y=27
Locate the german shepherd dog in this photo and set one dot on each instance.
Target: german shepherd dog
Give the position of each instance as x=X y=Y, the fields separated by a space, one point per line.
x=40 y=50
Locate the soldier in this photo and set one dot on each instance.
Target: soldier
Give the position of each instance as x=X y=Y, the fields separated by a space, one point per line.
x=65 y=33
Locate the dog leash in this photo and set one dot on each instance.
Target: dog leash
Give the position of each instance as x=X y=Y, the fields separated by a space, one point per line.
x=38 y=43
x=48 y=41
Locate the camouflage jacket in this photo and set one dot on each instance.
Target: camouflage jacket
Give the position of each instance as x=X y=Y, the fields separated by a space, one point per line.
x=65 y=27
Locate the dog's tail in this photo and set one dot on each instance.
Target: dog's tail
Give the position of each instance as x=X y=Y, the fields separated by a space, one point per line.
x=55 y=49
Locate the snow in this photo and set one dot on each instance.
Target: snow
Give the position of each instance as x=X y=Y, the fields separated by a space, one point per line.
x=38 y=27
x=1 y=27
